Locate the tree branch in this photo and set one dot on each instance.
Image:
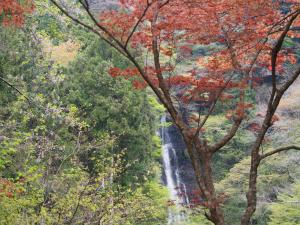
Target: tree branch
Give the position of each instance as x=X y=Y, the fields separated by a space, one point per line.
x=273 y=103
x=293 y=78
x=15 y=88
x=137 y=23
x=276 y=49
x=102 y=28
x=162 y=85
x=90 y=28
x=292 y=147
x=120 y=48
x=200 y=125
x=78 y=203
x=214 y=148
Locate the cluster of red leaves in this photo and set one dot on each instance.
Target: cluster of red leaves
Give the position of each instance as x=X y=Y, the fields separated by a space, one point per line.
x=128 y=72
x=121 y=22
x=202 y=90
x=131 y=74
x=294 y=4
x=141 y=39
x=254 y=127
x=13 y=11
x=239 y=111
x=237 y=28
x=9 y=188
x=139 y=84
x=196 y=85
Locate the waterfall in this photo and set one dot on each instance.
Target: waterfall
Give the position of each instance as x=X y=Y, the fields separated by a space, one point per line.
x=177 y=188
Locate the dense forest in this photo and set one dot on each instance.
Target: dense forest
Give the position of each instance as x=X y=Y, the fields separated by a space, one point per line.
x=140 y=112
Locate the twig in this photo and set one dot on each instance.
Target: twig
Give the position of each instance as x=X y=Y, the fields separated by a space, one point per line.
x=15 y=88
x=137 y=23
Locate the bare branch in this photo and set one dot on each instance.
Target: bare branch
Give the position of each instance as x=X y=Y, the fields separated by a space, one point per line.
x=163 y=4
x=227 y=137
x=276 y=49
x=292 y=147
x=164 y=88
x=90 y=28
x=283 y=19
x=15 y=88
x=293 y=78
x=102 y=28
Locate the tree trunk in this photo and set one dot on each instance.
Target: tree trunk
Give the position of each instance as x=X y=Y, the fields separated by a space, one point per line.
x=255 y=161
x=252 y=193
x=216 y=213
x=202 y=163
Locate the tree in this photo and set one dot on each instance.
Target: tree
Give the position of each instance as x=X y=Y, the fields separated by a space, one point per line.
x=56 y=166
x=114 y=107
x=248 y=38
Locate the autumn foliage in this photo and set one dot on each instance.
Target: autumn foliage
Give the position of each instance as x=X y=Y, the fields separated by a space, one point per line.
x=242 y=33
x=13 y=11
x=9 y=189
x=199 y=54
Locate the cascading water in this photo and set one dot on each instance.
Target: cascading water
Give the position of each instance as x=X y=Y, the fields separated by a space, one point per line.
x=177 y=188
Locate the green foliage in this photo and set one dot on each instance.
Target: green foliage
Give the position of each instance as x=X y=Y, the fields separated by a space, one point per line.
x=276 y=174
x=84 y=150
x=286 y=210
x=217 y=126
x=198 y=218
x=111 y=104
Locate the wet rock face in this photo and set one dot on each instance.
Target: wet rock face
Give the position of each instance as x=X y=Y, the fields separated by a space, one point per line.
x=185 y=167
x=179 y=162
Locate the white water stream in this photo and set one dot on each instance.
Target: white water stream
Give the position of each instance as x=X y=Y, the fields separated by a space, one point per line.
x=177 y=188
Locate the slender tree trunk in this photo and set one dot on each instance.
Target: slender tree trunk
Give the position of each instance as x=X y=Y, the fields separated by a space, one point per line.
x=252 y=192
x=202 y=163
x=255 y=161
x=216 y=213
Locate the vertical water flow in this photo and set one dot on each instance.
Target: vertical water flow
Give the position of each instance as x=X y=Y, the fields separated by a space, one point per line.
x=177 y=189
